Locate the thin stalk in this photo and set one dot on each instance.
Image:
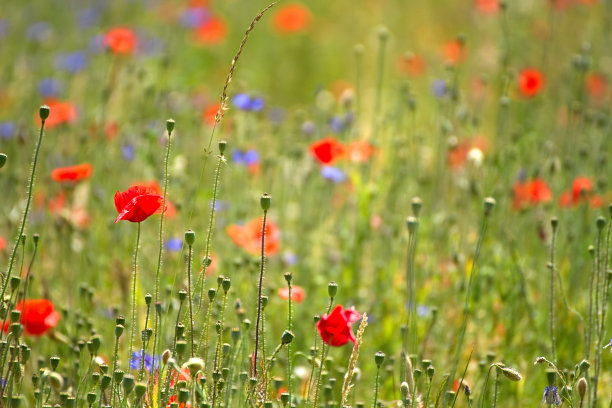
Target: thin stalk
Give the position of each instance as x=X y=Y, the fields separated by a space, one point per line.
x=289 y=357
x=552 y=290
x=133 y=320
x=376 y=387
x=189 y=259
x=261 y=273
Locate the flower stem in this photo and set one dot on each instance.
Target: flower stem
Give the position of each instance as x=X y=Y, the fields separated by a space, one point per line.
x=133 y=320
x=261 y=273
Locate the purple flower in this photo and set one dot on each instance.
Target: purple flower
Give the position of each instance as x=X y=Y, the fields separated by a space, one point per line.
x=49 y=87
x=237 y=156
x=438 y=87
x=242 y=101
x=333 y=174
x=72 y=62
x=149 y=360
x=251 y=157
x=551 y=397
x=193 y=17
x=336 y=123
x=174 y=244
x=7 y=130
x=257 y=104
x=309 y=127
x=289 y=258
x=39 y=31
x=87 y=17
x=127 y=151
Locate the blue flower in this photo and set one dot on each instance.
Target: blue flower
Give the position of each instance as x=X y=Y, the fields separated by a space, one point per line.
x=193 y=17
x=136 y=361
x=49 y=87
x=333 y=174
x=174 y=244
x=551 y=397
x=38 y=31
x=7 y=130
x=422 y=310
x=87 y=17
x=237 y=156
x=257 y=104
x=336 y=123
x=251 y=157
x=289 y=258
x=127 y=151
x=72 y=62
x=242 y=101
x=438 y=87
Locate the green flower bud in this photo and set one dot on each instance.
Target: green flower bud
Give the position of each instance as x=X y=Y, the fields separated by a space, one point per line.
x=189 y=237
x=287 y=337
x=43 y=112
x=379 y=358
x=170 y=125
x=265 y=202
x=222 y=146
x=332 y=289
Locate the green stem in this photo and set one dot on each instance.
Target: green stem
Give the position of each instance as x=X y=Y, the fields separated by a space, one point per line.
x=261 y=273
x=376 y=387
x=133 y=320
x=552 y=294
x=189 y=259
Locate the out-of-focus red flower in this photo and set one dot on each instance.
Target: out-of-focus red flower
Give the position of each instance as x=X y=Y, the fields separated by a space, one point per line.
x=454 y=51
x=212 y=31
x=156 y=189
x=581 y=185
x=249 y=236
x=411 y=64
x=110 y=130
x=530 y=192
x=335 y=328
x=137 y=203
x=327 y=150
x=530 y=82
x=582 y=191
x=72 y=173
x=37 y=316
x=360 y=151
x=297 y=293
x=59 y=112
x=292 y=18
x=487 y=6
x=210 y=112
x=120 y=40
x=596 y=84
x=2 y=243
x=458 y=154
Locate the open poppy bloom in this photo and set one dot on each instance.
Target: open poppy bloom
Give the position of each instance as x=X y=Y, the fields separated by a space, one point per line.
x=582 y=191
x=210 y=113
x=292 y=18
x=297 y=293
x=454 y=52
x=120 y=40
x=327 y=150
x=211 y=32
x=156 y=189
x=530 y=192
x=335 y=328
x=249 y=236
x=38 y=316
x=59 y=112
x=137 y=203
x=530 y=82
x=487 y=6
x=72 y=173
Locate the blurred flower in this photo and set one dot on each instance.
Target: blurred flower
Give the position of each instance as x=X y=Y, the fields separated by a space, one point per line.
x=335 y=328
x=276 y=115
x=72 y=173
x=438 y=87
x=581 y=192
x=297 y=293
x=7 y=130
x=211 y=32
x=127 y=151
x=291 y=18
x=487 y=6
x=458 y=152
x=244 y=102
x=49 y=87
x=360 y=151
x=120 y=40
x=475 y=157
x=88 y=17
x=596 y=84
x=2 y=243
x=174 y=244
x=37 y=316
x=336 y=123
x=530 y=82
x=333 y=174
x=249 y=236
x=411 y=64
x=454 y=51
x=533 y=192
x=210 y=112
x=309 y=127
x=136 y=361
x=193 y=17
x=137 y=203
x=289 y=258
x=72 y=62
x=327 y=150
x=59 y=112
x=38 y=31
x=551 y=397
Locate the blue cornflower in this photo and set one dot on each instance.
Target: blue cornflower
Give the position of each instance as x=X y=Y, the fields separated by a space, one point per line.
x=333 y=174
x=127 y=151
x=193 y=17
x=422 y=310
x=251 y=157
x=257 y=104
x=237 y=156
x=336 y=123
x=242 y=101
x=219 y=205
x=7 y=130
x=136 y=361
x=551 y=397
x=438 y=87
x=289 y=258
x=72 y=62
x=49 y=87
x=174 y=244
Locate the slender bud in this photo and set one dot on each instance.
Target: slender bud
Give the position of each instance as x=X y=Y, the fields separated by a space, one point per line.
x=417 y=204
x=222 y=146
x=601 y=222
x=182 y=295
x=226 y=284
x=165 y=356
x=118 y=330
x=405 y=389
x=212 y=292
x=554 y=223
x=511 y=374
x=170 y=125
x=332 y=289
x=265 y=202
x=54 y=362
x=581 y=385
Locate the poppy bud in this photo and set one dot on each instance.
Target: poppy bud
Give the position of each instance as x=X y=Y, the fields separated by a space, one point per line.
x=550 y=377
x=287 y=337
x=265 y=202
x=212 y=292
x=118 y=330
x=170 y=125
x=148 y=298
x=417 y=204
x=15 y=315
x=105 y=382
x=206 y=261
x=554 y=223
x=379 y=358
x=118 y=376
x=222 y=146
x=601 y=222
x=128 y=384
x=120 y=320
x=183 y=395
x=264 y=301
x=225 y=349
x=288 y=277
x=15 y=280
x=25 y=353
x=91 y=397
x=332 y=289
x=235 y=334
x=179 y=330
x=182 y=295
x=226 y=284
x=284 y=398
x=431 y=371
x=3 y=158
x=220 y=279
x=411 y=224
x=189 y=237
x=405 y=389
x=489 y=203
x=246 y=323
x=181 y=347
x=54 y=362
x=43 y=112
x=35 y=237
x=194 y=364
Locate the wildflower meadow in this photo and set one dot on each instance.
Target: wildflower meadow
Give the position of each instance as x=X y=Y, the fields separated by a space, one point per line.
x=305 y=203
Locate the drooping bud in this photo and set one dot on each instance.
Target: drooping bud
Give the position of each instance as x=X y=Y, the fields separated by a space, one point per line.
x=511 y=374
x=287 y=337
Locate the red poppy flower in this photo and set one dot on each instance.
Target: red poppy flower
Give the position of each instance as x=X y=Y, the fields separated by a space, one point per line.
x=530 y=82
x=327 y=150
x=412 y=64
x=59 y=112
x=38 y=316
x=487 y=6
x=596 y=84
x=156 y=189
x=297 y=293
x=530 y=192
x=360 y=151
x=335 y=328
x=210 y=112
x=72 y=173
x=581 y=185
x=249 y=236
x=212 y=31
x=2 y=243
x=120 y=40
x=581 y=192
x=454 y=51
x=137 y=203
x=292 y=18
